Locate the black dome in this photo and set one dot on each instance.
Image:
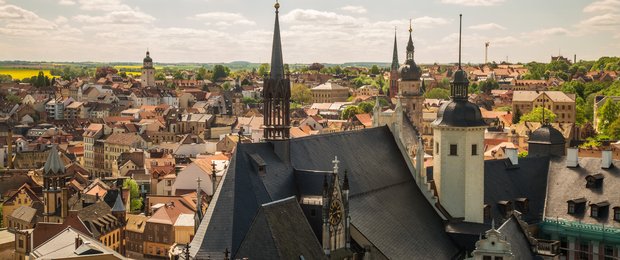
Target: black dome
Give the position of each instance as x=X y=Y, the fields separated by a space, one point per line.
x=148 y=57
x=547 y=134
x=460 y=77
x=459 y=113
x=410 y=72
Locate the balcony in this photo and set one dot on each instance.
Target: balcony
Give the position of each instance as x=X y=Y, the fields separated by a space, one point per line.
x=548 y=248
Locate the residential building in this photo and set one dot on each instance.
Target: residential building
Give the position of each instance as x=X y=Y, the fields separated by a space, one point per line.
x=560 y=103
x=134 y=235
x=118 y=143
x=159 y=233
x=329 y=92
x=70 y=243
x=367 y=90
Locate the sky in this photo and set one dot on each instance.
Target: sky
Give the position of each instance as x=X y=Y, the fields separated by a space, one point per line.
x=325 y=31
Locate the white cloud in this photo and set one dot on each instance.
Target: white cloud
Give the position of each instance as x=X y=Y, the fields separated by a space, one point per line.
x=603 y=6
x=354 y=9
x=223 y=18
x=473 y=2
x=487 y=26
x=61 y=20
x=428 y=22
x=66 y=2
x=103 y=5
x=608 y=21
x=15 y=17
x=116 y=17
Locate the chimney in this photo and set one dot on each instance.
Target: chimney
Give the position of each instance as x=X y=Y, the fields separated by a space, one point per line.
x=572 y=157
x=513 y=155
x=78 y=241
x=606 y=159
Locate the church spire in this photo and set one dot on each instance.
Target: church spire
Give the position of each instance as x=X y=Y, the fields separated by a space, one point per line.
x=277 y=65
x=410 y=48
x=395 y=53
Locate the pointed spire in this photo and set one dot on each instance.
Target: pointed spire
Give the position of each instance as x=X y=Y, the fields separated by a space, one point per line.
x=345 y=182
x=119 y=206
x=395 y=63
x=410 y=48
x=54 y=164
x=460 y=83
x=460 y=32
x=277 y=63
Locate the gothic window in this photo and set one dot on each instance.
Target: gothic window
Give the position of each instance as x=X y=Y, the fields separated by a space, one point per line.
x=453 y=149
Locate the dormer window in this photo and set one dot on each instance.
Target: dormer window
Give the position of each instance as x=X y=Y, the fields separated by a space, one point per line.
x=576 y=206
x=599 y=209
x=487 y=212
x=617 y=213
x=506 y=207
x=523 y=205
x=594 y=181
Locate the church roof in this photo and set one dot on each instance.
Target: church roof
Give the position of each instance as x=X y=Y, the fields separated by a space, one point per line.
x=459 y=113
x=516 y=235
x=53 y=165
x=119 y=206
x=280 y=231
x=277 y=63
x=407 y=227
x=547 y=134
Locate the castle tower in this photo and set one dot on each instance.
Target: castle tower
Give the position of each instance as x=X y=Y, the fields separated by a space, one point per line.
x=276 y=92
x=458 y=155
x=410 y=86
x=148 y=71
x=393 y=91
x=55 y=194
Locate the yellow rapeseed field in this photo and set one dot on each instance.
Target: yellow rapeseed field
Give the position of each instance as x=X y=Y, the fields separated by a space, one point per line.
x=23 y=73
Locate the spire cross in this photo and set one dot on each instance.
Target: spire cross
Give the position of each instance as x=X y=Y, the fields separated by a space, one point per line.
x=410 y=26
x=335 y=161
x=198 y=181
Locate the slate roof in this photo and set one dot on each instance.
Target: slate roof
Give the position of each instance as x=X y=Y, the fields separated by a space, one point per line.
x=405 y=227
x=504 y=182
x=570 y=183
x=280 y=231
x=24 y=213
x=514 y=234
x=54 y=164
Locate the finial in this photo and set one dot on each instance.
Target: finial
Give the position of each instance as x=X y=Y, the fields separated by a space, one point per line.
x=277 y=6
x=395 y=29
x=460 y=30
x=410 y=26
x=335 y=161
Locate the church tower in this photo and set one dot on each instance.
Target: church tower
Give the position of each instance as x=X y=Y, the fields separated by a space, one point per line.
x=148 y=71
x=276 y=92
x=458 y=155
x=393 y=90
x=410 y=86
x=55 y=194
x=336 y=237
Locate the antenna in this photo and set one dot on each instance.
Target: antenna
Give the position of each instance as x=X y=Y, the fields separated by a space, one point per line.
x=543 y=111
x=460 y=30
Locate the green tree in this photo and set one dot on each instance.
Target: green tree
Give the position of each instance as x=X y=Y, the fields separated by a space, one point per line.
x=202 y=73
x=134 y=194
x=4 y=78
x=160 y=76
x=13 y=99
x=375 y=70
x=220 y=71
x=178 y=75
x=366 y=107
x=350 y=111
x=488 y=85
x=516 y=117
x=438 y=93
x=536 y=115
x=613 y=130
x=226 y=85
x=301 y=93
x=263 y=70
x=607 y=114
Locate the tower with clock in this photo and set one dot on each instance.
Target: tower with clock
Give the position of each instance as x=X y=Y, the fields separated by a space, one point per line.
x=336 y=220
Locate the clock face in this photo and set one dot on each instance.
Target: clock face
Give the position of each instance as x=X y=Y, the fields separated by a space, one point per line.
x=335 y=213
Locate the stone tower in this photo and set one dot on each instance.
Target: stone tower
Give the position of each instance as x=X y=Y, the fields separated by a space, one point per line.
x=393 y=91
x=148 y=71
x=458 y=153
x=410 y=86
x=55 y=193
x=277 y=92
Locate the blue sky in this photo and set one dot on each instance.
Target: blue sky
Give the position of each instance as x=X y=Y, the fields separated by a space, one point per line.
x=312 y=30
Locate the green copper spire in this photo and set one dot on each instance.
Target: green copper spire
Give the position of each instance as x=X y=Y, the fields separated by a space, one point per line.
x=395 y=64
x=277 y=65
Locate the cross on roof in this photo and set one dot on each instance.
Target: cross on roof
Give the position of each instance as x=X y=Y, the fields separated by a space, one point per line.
x=335 y=162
